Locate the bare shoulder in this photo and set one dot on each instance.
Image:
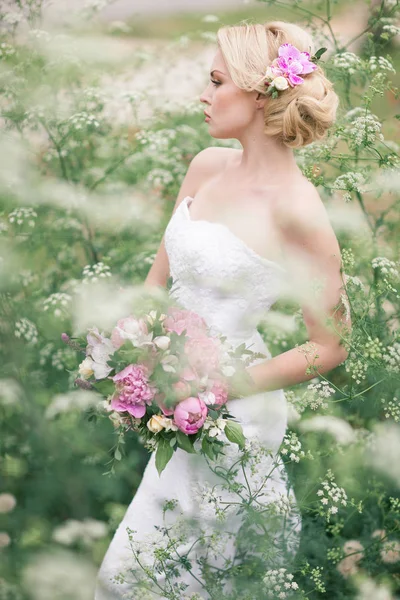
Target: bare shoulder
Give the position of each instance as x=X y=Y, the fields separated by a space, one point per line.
x=211 y=160
x=303 y=220
x=204 y=165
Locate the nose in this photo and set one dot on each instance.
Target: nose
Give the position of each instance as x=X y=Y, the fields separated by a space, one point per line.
x=204 y=97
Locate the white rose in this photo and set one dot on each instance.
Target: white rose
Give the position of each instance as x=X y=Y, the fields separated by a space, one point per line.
x=86 y=368
x=281 y=83
x=269 y=73
x=162 y=342
x=155 y=424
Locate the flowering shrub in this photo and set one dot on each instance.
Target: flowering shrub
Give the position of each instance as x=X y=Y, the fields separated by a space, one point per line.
x=85 y=190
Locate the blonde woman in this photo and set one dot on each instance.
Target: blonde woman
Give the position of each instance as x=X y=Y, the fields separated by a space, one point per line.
x=247 y=227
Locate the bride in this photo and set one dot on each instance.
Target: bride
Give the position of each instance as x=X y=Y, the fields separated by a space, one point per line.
x=247 y=227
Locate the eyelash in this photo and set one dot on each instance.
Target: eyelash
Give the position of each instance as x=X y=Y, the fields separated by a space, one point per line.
x=215 y=82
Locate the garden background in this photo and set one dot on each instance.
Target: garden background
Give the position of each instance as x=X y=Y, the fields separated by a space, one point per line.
x=100 y=117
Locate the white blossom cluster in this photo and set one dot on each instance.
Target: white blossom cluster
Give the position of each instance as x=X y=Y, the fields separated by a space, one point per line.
x=58 y=303
x=210 y=502
x=160 y=177
x=40 y=34
x=92 y=273
x=24 y=328
x=317 y=394
x=279 y=583
x=83 y=120
x=20 y=215
x=26 y=277
x=380 y=63
x=214 y=428
x=291 y=447
x=58 y=358
x=391 y=408
x=353 y=280
x=365 y=129
x=331 y=495
x=66 y=222
x=392 y=357
x=389 y=26
x=92 y=98
x=386 y=266
x=62 y=357
x=75 y=400
x=389 y=270
x=84 y=532
x=282 y=505
x=357 y=367
x=348 y=61
x=351 y=182
x=6 y=50
x=155 y=142
x=12 y=18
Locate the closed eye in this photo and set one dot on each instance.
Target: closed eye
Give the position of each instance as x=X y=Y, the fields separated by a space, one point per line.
x=215 y=82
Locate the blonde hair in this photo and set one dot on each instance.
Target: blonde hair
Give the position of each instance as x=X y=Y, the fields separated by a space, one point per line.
x=300 y=115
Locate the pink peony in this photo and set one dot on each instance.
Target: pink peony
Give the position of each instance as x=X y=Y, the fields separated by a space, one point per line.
x=190 y=414
x=178 y=320
x=134 y=330
x=203 y=354
x=220 y=390
x=133 y=390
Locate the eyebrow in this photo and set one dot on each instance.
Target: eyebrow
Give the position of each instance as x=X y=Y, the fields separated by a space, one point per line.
x=216 y=71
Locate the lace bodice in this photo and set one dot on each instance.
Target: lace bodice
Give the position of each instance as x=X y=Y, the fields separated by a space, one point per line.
x=217 y=275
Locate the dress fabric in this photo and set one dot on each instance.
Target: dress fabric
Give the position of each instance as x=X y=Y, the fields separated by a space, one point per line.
x=218 y=276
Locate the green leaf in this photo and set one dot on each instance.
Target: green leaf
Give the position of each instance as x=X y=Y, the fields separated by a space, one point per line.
x=207 y=448
x=319 y=53
x=234 y=433
x=117 y=454
x=105 y=386
x=164 y=454
x=184 y=442
x=213 y=413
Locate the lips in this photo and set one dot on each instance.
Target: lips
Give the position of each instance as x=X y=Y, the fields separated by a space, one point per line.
x=207 y=115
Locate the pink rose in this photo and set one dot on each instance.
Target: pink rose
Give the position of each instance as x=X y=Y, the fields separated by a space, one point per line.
x=178 y=320
x=134 y=330
x=203 y=354
x=190 y=414
x=133 y=390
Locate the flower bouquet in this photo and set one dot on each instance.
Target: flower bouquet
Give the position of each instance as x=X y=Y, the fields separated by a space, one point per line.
x=167 y=378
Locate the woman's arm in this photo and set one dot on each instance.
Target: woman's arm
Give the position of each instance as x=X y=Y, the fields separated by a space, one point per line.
x=313 y=258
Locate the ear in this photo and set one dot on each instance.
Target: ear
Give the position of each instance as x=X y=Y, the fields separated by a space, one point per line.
x=261 y=99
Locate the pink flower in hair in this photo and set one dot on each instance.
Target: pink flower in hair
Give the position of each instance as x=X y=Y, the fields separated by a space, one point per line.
x=291 y=63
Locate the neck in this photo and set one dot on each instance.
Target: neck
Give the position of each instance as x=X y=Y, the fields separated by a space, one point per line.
x=265 y=158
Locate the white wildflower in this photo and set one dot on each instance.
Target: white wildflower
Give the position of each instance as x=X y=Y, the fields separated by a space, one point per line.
x=279 y=583
x=347 y=61
x=92 y=273
x=24 y=328
x=22 y=215
x=331 y=496
x=291 y=447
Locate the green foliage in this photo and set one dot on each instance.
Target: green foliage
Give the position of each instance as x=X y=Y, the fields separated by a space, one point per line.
x=85 y=194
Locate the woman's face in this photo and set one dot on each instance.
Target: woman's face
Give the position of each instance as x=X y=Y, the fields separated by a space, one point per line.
x=231 y=109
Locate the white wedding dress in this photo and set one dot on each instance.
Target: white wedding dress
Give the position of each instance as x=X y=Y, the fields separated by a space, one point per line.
x=217 y=275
